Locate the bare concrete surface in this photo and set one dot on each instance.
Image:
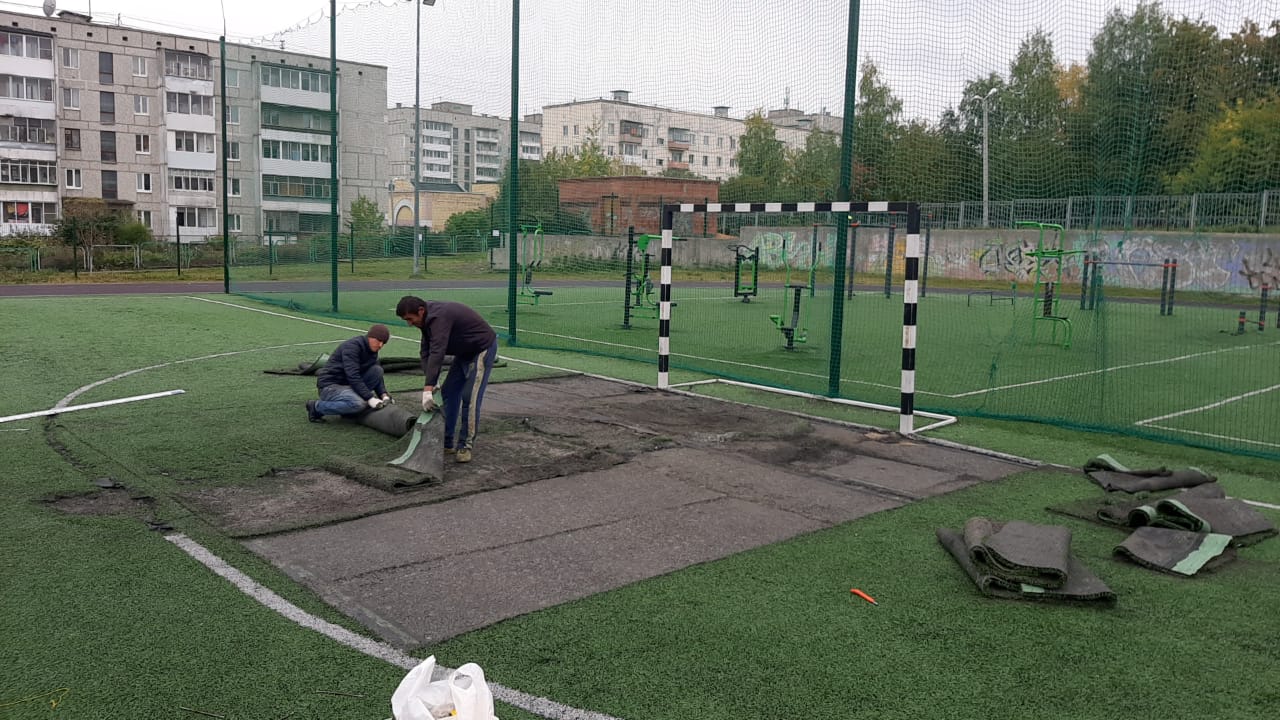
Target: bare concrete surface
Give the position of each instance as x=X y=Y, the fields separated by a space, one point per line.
x=689 y=480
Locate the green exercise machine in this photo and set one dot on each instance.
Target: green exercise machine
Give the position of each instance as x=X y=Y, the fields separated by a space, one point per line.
x=640 y=299
x=531 y=246
x=745 y=260
x=796 y=331
x=1050 y=260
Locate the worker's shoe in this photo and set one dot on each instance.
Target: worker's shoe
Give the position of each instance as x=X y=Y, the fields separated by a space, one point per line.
x=450 y=451
x=312 y=415
x=463 y=455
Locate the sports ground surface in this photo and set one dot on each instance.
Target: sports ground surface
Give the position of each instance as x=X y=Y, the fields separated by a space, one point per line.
x=613 y=551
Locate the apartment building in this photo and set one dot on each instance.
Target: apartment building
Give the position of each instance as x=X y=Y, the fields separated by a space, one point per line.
x=654 y=138
x=131 y=116
x=459 y=146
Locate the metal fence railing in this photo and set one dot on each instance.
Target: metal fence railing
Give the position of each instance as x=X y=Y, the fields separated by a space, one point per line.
x=1236 y=212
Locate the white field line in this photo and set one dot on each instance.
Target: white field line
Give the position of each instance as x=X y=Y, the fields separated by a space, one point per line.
x=64 y=402
x=1210 y=406
x=1130 y=366
x=89 y=406
x=1215 y=436
x=247 y=585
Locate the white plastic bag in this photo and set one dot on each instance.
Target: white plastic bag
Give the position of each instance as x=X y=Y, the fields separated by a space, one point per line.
x=461 y=695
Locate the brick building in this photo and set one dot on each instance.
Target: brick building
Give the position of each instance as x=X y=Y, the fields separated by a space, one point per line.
x=611 y=204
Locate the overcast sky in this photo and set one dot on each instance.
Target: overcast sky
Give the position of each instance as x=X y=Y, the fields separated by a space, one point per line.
x=683 y=54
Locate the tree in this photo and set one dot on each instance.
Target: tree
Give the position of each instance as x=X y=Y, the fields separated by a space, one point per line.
x=761 y=155
x=365 y=216
x=814 y=172
x=87 y=222
x=875 y=130
x=1028 y=141
x=1240 y=152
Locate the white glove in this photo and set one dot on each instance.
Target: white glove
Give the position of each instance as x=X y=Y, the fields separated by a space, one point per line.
x=387 y=399
x=428 y=401
x=374 y=403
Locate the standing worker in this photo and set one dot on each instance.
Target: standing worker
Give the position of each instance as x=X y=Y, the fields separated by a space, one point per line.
x=351 y=381
x=452 y=328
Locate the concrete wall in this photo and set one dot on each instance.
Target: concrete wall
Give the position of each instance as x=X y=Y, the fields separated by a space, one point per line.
x=1212 y=262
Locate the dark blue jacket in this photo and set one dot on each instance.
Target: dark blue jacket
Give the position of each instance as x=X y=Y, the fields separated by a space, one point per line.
x=451 y=328
x=347 y=366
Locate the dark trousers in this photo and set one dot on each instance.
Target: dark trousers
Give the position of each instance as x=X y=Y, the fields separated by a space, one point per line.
x=463 y=391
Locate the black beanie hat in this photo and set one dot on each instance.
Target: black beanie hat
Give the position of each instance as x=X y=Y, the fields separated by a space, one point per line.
x=380 y=333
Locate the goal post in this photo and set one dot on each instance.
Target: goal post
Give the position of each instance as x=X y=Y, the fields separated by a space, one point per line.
x=910 y=290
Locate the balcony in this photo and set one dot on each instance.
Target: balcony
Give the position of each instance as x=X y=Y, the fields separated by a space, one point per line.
x=678 y=165
x=679 y=139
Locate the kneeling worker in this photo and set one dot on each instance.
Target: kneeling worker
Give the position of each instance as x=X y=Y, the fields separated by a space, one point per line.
x=351 y=381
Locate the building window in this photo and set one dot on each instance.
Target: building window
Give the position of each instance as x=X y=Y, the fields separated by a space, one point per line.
x=704 y=161
x=719 y=161
x=70 y=138
x=108 y=147
x=235 y=187
x=185 y=141
x=70 y=99
x=141 y=105
x=21 y=211
x=188 y=103
x=610 y=128
x=144 y=182
x=280 y=186
x=311 y=152
x=294 y=79
x=106 y=68
x=139 y=67
x=564 y=131
x=74 y=179
x=70 y=58
x=29 y=172
x=233 y=115
x=720 y=142
x=233 y=152
x=233 y=223
x=142 y=144
x=21 y=45
x=26 y=88
x=187 y=65
x=28 y=130
x=144 y=216
x=107 y=108
x=110 y=190
x=197 y=217
x=706 y=140
x=192 y=180
x=233 y=78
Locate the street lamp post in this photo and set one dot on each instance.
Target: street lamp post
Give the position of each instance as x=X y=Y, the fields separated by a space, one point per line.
x=986 y=161
x=417 y=131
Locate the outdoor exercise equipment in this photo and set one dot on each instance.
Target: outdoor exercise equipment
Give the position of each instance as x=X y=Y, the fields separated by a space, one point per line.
x=640 y=300
x=531 y=246
x=1091 y=280
x=1261 y=322
x=1044 y=297
x=796 y=331
x=745 y=258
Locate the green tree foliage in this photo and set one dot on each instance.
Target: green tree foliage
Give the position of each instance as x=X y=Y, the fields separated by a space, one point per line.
x=365 y=216
x=875 y=131
x=762 y=158
x=481 y=221
x=814 y=172
x=1030 y=137
x=88 y=222
x=1240 y=152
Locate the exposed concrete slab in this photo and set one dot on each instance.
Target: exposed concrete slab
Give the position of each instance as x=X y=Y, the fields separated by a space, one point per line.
x=690 y=480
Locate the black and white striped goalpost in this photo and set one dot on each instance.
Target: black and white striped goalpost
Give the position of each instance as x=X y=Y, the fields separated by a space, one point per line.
x=910 y=289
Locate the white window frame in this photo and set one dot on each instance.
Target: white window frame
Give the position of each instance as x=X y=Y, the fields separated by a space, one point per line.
x=143 y=216
x=139 y=66
x=71 y=57
x=233 y=187
x=141 y=144
x=144 y=182
x=233 y=222
x=233 y=78
x=70 y=98
x=233 y=114
x=141 y=105
x=233 y=152
x=75 y=179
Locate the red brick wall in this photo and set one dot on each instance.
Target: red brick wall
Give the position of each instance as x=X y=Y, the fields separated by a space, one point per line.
x=611 y=204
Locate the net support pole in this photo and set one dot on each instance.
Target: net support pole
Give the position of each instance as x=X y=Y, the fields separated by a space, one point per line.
x=910 y=296
x=513 y=174
x=664 y=300
x=844 y=193
x=333 y=153
x=226 y=231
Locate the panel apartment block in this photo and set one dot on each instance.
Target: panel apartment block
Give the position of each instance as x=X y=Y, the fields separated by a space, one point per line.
x=132 y=117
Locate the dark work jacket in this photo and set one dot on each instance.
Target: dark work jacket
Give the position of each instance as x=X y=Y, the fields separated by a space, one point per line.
x=451 y=328
x=347 y=366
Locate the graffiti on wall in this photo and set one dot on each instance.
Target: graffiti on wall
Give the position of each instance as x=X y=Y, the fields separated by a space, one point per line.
x=1263 y=270
x=1006 y=258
